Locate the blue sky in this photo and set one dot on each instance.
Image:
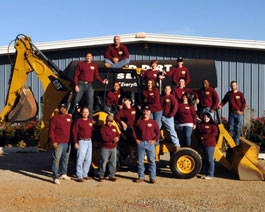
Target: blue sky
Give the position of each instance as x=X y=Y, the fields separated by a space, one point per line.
x=47 y=20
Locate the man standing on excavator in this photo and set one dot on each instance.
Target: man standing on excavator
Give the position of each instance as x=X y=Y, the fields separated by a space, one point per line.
x=237 y=104
x=85 y=73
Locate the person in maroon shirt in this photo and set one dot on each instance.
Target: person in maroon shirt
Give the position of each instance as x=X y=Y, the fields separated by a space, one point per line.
x=82 y=133
x=178 y=71
x=59 y=134
x=117 y=55
x=187 y=119
x=114 y=96
x=151 y=97
x=110 y=137
x=146 y=133
x=207 y=132
x=181 y=89
x=152 y=73
x=170 y=107
x=85 y=73
x=237 y=104
x=209 y=99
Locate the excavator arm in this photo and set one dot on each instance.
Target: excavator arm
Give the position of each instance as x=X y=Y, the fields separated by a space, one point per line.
x=28 y=59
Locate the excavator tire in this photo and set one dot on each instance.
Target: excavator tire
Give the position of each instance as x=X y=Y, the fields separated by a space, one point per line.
x=185 y=163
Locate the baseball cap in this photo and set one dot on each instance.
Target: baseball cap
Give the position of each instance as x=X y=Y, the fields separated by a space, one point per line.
x=180 y=59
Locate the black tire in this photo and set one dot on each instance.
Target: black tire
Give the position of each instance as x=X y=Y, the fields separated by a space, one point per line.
x=185 y=163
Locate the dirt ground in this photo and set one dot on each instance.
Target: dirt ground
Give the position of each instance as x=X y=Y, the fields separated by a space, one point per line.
x=26 y=185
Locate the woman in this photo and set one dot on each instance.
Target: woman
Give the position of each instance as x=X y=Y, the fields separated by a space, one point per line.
x=186 y=117
x=207 y=132
x=152 y=73
x=152 y=99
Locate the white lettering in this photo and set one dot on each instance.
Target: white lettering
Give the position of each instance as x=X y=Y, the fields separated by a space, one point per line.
x=145 y=67
x=160 y=67
x=167 y=66
x=132 y=66
x=120 y=76
x=128 y=76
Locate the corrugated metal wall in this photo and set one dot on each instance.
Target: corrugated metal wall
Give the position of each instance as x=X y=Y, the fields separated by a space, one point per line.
x=245 y=66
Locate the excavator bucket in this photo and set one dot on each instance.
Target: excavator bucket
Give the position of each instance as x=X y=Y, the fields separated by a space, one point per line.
x=241 y=159
x=26 y=107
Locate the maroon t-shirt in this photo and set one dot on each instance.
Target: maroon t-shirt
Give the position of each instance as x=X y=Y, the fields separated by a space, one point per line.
x=186 y=114
x=178 y=73
x=149 y=74
x=60 y=128
x=207 y=134
x=126 y=115
x=208 y=98
x=86 y=72
x=236 y=101
x=82 y=129
x=108 y=134
x=178 y=92
x=113 y=97
x=146 y=130
x=152 y=99
x=121 y=52
x=169 y=105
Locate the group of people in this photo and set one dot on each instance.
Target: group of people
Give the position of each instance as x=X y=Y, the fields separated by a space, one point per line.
x=175 y=106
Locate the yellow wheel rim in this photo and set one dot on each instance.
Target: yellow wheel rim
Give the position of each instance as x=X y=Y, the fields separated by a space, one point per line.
x=185 y=164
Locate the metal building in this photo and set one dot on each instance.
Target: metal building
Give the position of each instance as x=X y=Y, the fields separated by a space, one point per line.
x=239 y=60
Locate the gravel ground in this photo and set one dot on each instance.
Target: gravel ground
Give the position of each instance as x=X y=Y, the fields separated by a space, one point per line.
x=26 y=185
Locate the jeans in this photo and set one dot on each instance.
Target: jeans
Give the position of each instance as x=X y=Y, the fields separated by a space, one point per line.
x=170 y=127
x=203 y=110
x=207 y=160
x=119 y=64
x=185 y=132
x=143 y=147
x=84 y=157
x=87 y=91
x=105 y=156
x=157 y=116
x=234 y=123
x=60 y=159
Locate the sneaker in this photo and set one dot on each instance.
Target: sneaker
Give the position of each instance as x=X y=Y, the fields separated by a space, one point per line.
x=113 y=179
x=207 y=177
x=139 y=180
x=152 y=181
x=87 y=178
x=65 y=177
x=100 y=179
x=80 y=180
x=57 y=182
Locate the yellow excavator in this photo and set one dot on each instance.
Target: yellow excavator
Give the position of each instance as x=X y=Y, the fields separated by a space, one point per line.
x=21 y=106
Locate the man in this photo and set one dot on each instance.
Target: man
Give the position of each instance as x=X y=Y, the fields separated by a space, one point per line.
x=82 y=133
x=114 y=95
x=170 y=107
x=110 y=137
x=59 y=133
x=237 y=104
x=209 y=99
x=84 y=76
x=146 y=133
x=179 y=91
x=178 y=72
x=117 y=55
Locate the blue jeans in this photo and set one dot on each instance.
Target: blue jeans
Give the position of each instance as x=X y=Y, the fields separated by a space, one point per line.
x=170 y=127
x=105 y=156
x=84 y=157
x=119 y=64
x=60 y=159
x=207 y=160
x=87 y=91
x=157 y=116
x=203 y=110
x=234 y=123
x=143 y=147
x=185 y=132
